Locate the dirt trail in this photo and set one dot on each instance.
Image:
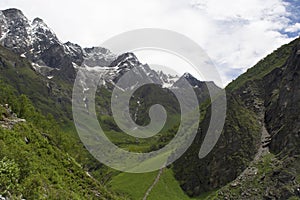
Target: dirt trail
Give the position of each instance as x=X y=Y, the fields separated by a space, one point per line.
x=262 y=151
x=153 y=184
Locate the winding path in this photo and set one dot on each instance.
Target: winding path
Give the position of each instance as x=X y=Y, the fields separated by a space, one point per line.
x=153 y=184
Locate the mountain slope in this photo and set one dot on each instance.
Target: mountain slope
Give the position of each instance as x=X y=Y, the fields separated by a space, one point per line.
x=277 y=173
x=34 y=62
x=52 y=58
x=266 y=94
x=46 y=75
x=31 y=163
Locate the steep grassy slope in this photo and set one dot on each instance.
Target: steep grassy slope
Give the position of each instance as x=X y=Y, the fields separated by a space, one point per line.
x=50 y=97
x=32 y=165
x=45 y=94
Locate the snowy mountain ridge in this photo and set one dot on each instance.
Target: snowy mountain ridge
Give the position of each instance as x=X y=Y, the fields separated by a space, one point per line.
x=36 y=42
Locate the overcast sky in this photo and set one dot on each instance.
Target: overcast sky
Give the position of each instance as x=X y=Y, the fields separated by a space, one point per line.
x=235 y=33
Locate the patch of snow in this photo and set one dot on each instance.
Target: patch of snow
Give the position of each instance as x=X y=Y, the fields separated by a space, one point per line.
x=75 y=65
x=167 y=85
x=35 y=66
x=100 y=69
x=3 y=36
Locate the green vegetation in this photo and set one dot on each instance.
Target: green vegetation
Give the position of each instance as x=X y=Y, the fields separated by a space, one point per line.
x=134 y=186
x=43 y=158
x=254 y=184
x=19 y=84
x=46 y=95
x=34 y=158
x=140 y=103
x=49 y=177
x=33 y=167
x=9 y=175
x=233 y=151
x=39 y=170
x=275 y=60
x=167 y=188
x=130 y=143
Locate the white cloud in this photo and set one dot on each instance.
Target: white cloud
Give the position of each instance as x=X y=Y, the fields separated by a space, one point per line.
x=235 y=33
x=294 y=28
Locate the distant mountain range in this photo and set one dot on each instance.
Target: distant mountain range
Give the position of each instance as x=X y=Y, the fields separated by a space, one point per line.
x=38 y=43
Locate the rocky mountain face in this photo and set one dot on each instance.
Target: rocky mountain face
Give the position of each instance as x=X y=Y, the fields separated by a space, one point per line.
x=283 y=106
x=52 y=58
x=25 y=37
x=59 y=63
x=265 y=98
x=29 y=39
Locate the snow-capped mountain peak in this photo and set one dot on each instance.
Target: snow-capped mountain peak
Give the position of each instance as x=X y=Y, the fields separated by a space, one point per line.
x=98 y=56
x=41 y=31
x=168 y=80
x=39 y=44
x=23 y=37
x=15 y=29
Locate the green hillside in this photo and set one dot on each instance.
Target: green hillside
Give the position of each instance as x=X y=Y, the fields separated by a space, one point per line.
x=32 y=165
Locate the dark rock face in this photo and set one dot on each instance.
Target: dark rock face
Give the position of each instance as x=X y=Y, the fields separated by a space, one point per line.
x=282 y=114
x=75 y=52
x=39 y=44
x=272 y=98
x=200 y=87
x=234 y=150
x=190 y=78
x=35 y=41
x=55 y=57
x=15 y=31
x=24 y=37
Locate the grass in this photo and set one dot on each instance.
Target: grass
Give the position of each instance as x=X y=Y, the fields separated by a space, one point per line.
x=44 y=170
x=265 y=165
x=265 y=66
x=167 y=188
x=133 y=186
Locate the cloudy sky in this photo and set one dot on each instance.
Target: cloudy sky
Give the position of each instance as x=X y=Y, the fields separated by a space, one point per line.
x=235 y=33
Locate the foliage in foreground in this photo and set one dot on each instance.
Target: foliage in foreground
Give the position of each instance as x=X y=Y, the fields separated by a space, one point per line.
x=32 y=165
